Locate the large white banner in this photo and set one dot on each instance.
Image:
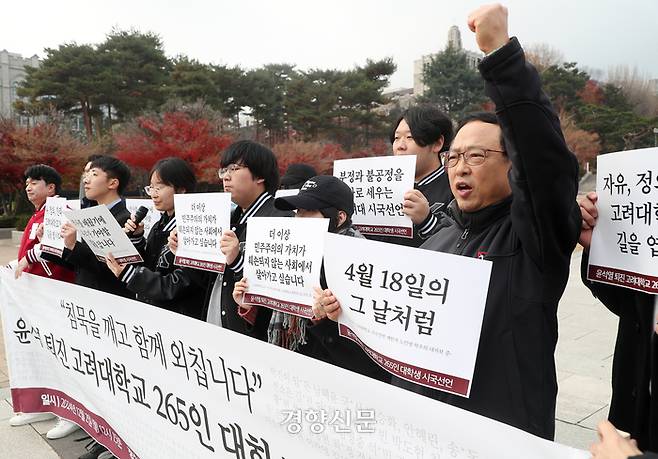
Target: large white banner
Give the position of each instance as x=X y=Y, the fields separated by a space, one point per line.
x=103 y=235
x=283 y=259
x=624 y=246
x=150 y=383
x=379 y=185
x=201 y=218
x=415 y=312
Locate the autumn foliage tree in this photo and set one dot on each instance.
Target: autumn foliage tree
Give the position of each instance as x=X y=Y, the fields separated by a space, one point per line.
x=584 y=144
x=452 y=84
x=45 y=143
x=190 y=136
x=322 y=155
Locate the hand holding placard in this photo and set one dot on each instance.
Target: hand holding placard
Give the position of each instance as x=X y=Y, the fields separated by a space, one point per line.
x=589 y=214
x=229 y=244
x=416 y=206
x=69 y=234
x=101 y=232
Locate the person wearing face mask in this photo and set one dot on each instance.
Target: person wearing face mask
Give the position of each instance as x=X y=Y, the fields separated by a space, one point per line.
x=158 y=281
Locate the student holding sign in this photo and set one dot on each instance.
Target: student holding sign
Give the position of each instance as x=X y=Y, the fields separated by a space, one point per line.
x=329 y=197
x=634 y=404
x=423 y=131
x=426 y=132
x=514 y=181
x=158 y=281
x=41 y=182
x=104 y=183
x=249 y=172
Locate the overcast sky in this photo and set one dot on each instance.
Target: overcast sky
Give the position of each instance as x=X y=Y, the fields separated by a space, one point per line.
x=338 y=34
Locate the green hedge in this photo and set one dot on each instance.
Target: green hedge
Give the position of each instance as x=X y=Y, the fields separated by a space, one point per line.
x=15 y=221
x=7 y=221
x=21 y=221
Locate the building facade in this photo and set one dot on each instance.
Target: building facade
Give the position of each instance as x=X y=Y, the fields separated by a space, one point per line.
x=12 y=72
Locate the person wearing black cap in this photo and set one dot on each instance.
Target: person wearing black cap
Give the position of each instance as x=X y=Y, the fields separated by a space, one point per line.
x=296 y=175
x=322 y=196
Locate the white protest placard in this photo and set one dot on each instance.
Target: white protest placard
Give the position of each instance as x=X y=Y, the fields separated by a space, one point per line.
x=152 y=216
x=103 y=235
x=283 y=259
x=201 y=218
x=416 y=313
x=73 y=204
x=624 y=249
x=52 y=242
x=379 y=185
x=286 y=193
x=115 y=365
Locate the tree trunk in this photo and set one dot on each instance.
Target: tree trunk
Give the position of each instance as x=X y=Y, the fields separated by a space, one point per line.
x=109 y=116
x=98 y=121
x=86 y=117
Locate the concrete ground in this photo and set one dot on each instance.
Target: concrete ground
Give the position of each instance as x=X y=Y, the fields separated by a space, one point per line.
x=584 y=362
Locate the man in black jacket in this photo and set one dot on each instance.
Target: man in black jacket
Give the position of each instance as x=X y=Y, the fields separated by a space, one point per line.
x=514 y=182
x=104 y=183
x=634 y=404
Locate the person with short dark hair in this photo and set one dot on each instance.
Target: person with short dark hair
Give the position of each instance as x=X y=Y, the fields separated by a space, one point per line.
x=157 y=281
x=260 y=163
x=296 y=175
x=323 y=196
x=46 y=173
x=114 y=169
x=104 y=183
x=248 y=171
x=41 y=182
x=423 y=131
